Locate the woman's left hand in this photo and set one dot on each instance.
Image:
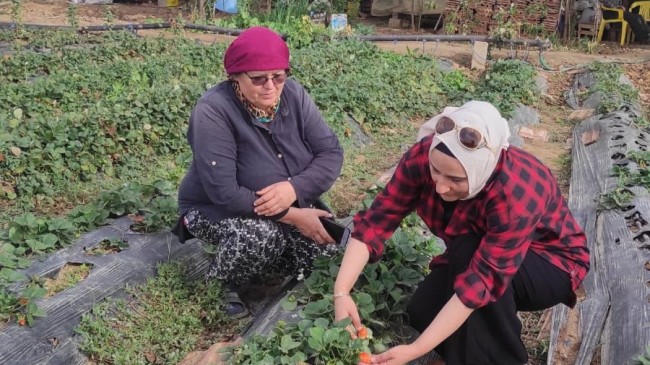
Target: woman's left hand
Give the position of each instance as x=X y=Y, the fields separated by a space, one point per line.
x=397 y=355
x=275 y=198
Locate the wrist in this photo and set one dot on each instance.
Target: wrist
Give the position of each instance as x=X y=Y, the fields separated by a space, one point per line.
x=419 y=348
x=340 y=294
x=290 y=216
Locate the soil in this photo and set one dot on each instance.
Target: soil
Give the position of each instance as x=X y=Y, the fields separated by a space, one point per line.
x=553 y=110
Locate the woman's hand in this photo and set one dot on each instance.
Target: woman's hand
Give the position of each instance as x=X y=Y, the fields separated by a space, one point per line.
x=344 y=307
x=274 y=198
x=397 y=355
x=307 y=221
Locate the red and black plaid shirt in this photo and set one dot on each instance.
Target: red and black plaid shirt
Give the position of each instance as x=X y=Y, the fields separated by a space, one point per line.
x=520 y=208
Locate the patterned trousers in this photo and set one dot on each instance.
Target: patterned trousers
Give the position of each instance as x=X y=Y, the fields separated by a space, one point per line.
x=246 y=247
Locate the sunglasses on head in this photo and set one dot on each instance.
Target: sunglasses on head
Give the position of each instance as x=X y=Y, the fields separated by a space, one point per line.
x=470 y=138
x=261 y=80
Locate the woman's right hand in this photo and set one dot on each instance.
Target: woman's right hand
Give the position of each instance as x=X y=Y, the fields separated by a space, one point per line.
x=345 y=307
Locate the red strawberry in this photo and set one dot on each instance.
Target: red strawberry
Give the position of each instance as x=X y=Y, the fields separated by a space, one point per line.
x=365 y=357
x=362 y=333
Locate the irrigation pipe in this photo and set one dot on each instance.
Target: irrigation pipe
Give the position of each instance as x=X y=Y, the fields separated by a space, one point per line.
x=234 y=32
x=542 y=44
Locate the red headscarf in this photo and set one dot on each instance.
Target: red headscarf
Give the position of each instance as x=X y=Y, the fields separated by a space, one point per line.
x=256 y=49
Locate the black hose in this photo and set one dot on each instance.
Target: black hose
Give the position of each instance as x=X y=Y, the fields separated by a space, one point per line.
x=99 y=28
x=454 y=38
x=218 y=30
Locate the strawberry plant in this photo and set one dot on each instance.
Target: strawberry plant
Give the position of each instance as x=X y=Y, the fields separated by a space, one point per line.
x=621 y=195
x=507 y=83
x=108 y=245
x=381 y=294
x=305 y=342
x=615 y=94
x=28 y=235
x=86 y=119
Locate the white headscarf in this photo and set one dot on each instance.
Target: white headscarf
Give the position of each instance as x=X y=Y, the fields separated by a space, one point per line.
x=478 y=164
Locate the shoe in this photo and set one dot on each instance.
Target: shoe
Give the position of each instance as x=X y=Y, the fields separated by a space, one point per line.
x=235 y=308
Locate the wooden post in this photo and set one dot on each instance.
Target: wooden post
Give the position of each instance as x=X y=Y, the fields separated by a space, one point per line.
x=479 y=55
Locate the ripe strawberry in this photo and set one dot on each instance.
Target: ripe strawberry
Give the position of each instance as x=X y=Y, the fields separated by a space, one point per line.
x=21 y=321
x=362 y=333
x=365 y=357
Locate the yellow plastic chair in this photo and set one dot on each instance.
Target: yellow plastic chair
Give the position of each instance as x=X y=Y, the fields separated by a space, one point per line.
x=618 y=19
x=644 y=11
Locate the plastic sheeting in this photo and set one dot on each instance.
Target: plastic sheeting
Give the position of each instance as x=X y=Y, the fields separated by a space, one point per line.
x=424 y=7
x=615 y=312
x=51 y=339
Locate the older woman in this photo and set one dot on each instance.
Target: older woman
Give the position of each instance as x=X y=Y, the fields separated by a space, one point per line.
x=262 y=157
x=512 y=243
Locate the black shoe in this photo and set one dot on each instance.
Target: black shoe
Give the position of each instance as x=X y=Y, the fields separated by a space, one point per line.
x=235 y=307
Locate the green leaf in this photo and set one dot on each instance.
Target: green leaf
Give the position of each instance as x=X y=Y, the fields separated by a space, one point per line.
x=36 y=245
x=289 y=305
x=34 y=292
x=49 y=240
x=315 y=345
x=8 y=260
x=287 y=343
x=317 y=333
x=331 y=335
x=11 y=275
x=318 y=308
x=363 y=299
x=304 y=324
x=297 y=358
x=321 y=323
x=7 y=248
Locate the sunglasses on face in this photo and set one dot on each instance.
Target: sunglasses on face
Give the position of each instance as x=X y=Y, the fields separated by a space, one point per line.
x=470 y=138
x=261 y=80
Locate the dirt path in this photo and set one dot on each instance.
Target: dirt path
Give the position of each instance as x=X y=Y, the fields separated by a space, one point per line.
x=53 y=12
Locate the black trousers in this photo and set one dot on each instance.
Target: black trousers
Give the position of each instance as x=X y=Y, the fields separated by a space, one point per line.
x=491 y=334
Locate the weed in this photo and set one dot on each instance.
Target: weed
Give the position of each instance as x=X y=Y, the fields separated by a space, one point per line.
x=68 y=276
x=73 y=18
x=564 y=173
x=506 y=84
x=163 y=319
x=642 y=123
x=17 y=17
x=621 y=195
x=108 y=245
x=109 y=17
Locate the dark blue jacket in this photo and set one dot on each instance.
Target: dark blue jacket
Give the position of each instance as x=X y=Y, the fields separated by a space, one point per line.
x=234 y=155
